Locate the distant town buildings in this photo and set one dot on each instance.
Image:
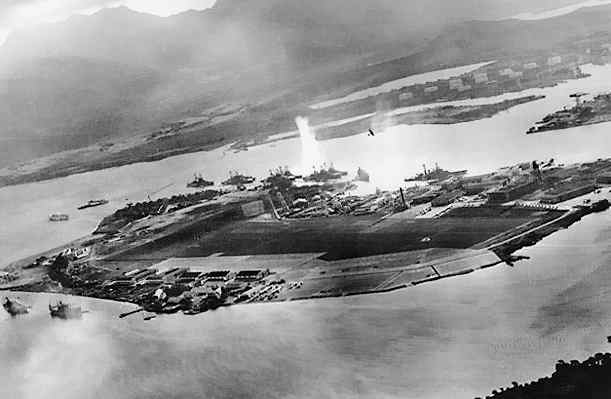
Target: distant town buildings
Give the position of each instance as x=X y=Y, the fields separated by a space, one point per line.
x=455 y=83
x=555 y=60
x=406 y=96
x=480 y=77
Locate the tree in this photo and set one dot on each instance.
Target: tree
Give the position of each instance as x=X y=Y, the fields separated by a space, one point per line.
x=60 y=264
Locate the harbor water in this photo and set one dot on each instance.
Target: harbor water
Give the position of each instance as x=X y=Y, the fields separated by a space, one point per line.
x=460 y=337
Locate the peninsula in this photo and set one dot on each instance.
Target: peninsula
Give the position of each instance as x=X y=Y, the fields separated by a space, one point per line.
x=282 y=239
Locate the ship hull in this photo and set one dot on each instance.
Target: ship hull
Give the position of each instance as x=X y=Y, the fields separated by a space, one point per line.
x=92 y=205
x=15 y=308
x=65 y=312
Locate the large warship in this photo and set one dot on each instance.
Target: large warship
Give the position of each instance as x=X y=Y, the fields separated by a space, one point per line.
x=63 y=310
x=436 y=175
x=199 y=182
x=236 y=179
x=325 y=174
x=14 y=307
x=362 y=175
x=93 y=203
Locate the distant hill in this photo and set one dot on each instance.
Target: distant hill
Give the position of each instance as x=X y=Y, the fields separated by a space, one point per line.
x=498 y=38
x=118 y=72
x=52 y=102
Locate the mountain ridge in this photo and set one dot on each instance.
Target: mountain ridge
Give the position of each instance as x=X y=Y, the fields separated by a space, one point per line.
x=274 y=52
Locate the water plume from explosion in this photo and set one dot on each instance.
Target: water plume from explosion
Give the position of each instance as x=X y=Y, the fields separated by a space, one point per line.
x=310 y=154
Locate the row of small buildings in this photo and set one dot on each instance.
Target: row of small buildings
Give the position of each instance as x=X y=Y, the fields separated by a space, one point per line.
x=187 y=277
x=487 y=80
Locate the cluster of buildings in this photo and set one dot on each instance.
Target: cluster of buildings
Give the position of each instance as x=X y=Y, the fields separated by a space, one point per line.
x=7 y=277
x=543 y=182
x=180 y=288
x=493 y=80
x=136 y=211
x=552 y=184
x=329 y=204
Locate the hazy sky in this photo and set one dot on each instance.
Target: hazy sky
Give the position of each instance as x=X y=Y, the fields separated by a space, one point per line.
x=22 y=13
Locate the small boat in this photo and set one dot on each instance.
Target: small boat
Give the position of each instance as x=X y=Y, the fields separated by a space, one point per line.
x=58 y=217
x=93 y=203
x=14 y=307
x=65 y=311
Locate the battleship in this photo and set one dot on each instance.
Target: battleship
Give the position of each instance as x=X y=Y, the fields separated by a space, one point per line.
x=236 y=179
x=14 y=307
x=437 y=174
x=362 y=175
x=582 y=113
x=199 y=182
x=280 y=178
x=93 y=203
x=284 y=172
x=324 y=175
x=63 y=310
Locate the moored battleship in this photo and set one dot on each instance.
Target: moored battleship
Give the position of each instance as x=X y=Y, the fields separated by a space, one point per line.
x=63 y=310
x=199 y=182
x=596 y=110
x=437 y=174
x=324 y=175
x=361 y=175
x=236 y=179
x=14 y=307
x=93 y=203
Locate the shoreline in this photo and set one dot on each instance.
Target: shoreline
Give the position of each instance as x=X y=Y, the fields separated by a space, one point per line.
x=504 y=251
x=435 y=114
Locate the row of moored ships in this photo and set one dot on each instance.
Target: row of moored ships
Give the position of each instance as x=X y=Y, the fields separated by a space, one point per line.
x=59 y=310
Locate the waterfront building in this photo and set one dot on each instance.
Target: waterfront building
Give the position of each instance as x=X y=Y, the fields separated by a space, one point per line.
x=218 y=275
x=406 y=96
x=555 y=60
x=562 y=194
x=480 y=77
x=447 y=198
x=512 y=192
x=456 y=83
x=250 y=275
